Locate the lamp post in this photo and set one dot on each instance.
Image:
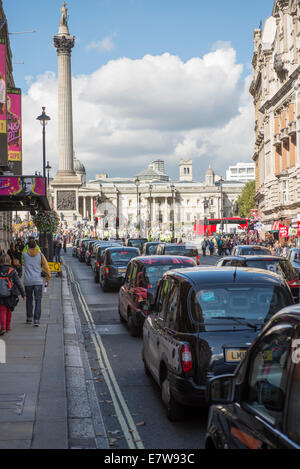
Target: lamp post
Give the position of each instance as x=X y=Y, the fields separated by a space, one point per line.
x=173 y=212
x=150 y=213
x=48 y=167
x=118 y=212
x=137 y=183
x=43 y=118
x=221 y=180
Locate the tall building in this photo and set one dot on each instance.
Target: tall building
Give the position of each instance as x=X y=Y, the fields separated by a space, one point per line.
x=276 y=92
x=243 y=172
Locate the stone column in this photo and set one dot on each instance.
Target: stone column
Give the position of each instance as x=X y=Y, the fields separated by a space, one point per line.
x=64 y=44
x=84 y=207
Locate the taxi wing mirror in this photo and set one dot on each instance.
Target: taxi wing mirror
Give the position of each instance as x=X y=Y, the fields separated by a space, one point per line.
x=221 y=390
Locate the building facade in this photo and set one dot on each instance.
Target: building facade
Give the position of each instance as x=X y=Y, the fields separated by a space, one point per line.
x=149 y=202
x=276 y=92
x=244 y=172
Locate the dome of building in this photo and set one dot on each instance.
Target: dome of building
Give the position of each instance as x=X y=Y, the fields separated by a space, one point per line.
x=78 y=166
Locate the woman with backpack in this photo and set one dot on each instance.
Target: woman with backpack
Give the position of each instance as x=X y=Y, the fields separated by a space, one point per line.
x=10 y=288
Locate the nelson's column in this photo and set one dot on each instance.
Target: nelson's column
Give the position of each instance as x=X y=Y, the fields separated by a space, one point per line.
x=66 y=182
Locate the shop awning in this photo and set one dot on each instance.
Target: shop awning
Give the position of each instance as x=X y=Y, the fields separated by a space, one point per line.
x=275 y=226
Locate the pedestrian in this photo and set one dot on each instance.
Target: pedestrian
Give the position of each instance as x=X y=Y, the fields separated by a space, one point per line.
x=211 y=247
x=203 y=246
x=10 y=288
x=57 y=251
x=65 y=244
x=34 y=263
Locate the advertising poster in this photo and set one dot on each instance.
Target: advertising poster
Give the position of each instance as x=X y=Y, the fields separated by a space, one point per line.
x=24 y=186
x=283 y=231
x=14 y=126
x=2 y=86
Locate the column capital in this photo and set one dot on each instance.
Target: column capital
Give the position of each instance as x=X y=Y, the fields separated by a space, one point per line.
x=64 y=44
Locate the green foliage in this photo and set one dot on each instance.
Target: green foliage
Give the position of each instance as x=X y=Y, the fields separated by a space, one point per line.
x=47 y=221
x=246 y=200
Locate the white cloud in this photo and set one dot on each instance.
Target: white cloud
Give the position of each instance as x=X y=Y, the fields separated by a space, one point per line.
x=129 y=112
x=106 y=45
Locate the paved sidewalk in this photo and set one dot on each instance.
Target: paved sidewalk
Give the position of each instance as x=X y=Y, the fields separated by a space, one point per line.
x=33 y=402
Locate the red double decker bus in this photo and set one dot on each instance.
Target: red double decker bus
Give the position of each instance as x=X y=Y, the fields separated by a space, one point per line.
x=210 y=226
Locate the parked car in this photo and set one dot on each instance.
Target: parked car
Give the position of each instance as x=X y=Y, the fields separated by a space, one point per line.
x=257 y=407
x=136 y=243
x=142 y=277
x=172 y=249
x=113 y=268
x=294 y=258
x=249 y=250
x=201 y=324
x=82 y=248
x=149 y=249
x=279 y=265
x=97 y=257
x=88 y=251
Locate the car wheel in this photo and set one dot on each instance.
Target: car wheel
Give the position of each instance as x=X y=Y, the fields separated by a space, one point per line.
x=146 y=369
x=120 y=315
x=174 y=410
x=134 y=330
x=96 y=277
x=104 y=286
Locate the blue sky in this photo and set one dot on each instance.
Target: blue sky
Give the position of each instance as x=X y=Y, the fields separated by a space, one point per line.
x=185 y=37
x=187 y=28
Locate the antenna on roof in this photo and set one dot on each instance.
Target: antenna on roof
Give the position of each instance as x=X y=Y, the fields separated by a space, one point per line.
x=260 y=24
x=234 y=274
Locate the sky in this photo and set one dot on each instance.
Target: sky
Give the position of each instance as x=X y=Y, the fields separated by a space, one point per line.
x=152 y=79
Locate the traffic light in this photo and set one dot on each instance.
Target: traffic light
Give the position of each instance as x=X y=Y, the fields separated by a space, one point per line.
x=96 y=220
x=117 y=222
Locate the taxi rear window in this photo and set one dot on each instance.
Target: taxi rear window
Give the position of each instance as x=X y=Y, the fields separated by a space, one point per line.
x=181 y=250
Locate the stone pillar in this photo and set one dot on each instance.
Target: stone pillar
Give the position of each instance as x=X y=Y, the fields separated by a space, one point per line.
x=84 y=207
x=64 y=44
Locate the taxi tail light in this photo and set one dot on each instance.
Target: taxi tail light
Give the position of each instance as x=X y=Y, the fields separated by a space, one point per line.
x=98 y=264
x=198 y=260
x=186 y=358
x=107 y=271
x=294 y=283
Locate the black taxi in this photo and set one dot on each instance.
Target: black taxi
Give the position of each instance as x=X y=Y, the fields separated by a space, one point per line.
x=258 y=407
x=142 y=277
x=202 y=323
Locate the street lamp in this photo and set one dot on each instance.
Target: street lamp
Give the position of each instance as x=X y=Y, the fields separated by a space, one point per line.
x=137 y=183
x=43 y=118
x=150 y=215
x=173 y=212
x=48 y=167
x=118 y=212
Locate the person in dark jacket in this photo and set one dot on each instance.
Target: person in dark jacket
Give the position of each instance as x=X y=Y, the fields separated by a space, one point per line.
x=8 y=303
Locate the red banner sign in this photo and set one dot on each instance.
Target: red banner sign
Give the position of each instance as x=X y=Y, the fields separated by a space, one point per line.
x=283 y=231
x=298 y=228
x=14 y=131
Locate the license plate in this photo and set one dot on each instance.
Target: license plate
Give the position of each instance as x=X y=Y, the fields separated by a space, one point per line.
x=122 y=271
x=234 y=355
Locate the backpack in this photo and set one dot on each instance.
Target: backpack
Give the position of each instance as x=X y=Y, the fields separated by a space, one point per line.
x=6 y=284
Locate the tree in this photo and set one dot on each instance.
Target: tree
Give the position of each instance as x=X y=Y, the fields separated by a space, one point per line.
x=246 y=200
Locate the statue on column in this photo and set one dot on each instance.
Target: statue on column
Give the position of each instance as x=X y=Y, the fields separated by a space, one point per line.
x=64 y=14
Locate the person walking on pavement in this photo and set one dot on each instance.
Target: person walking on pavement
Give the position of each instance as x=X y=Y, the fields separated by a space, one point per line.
x=10 y=288
x=57 y=250
x=34 y=263
x=204 y=244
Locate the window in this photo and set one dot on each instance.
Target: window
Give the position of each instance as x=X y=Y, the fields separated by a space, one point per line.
x=268 y=373
x=162 y=297
x=171 y=307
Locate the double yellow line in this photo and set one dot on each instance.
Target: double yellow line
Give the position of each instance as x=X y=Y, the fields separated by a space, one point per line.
x=124 y=416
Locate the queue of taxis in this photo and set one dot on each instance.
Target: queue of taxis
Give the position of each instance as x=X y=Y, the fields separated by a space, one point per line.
x=201 y=324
